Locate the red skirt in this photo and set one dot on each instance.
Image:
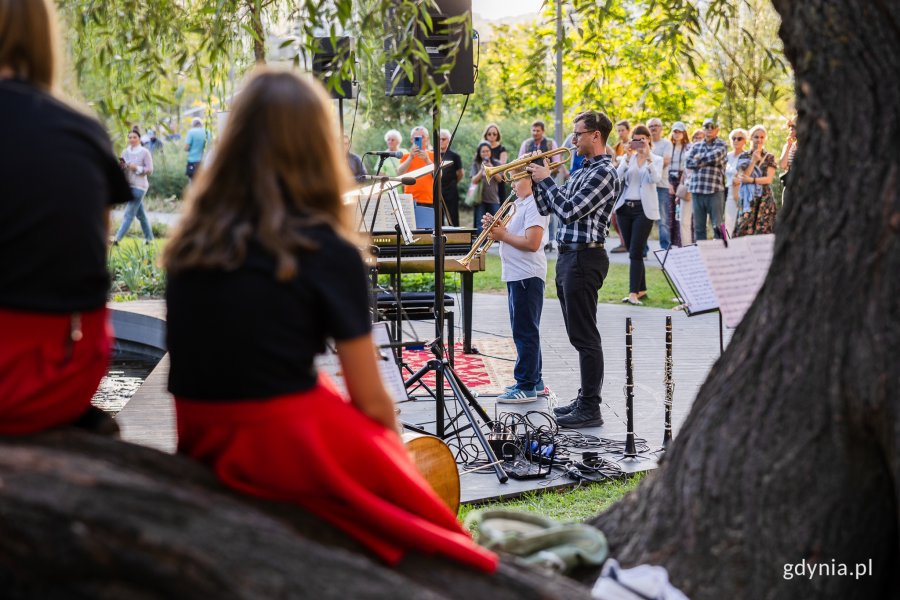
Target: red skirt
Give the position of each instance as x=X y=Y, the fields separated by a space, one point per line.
x=46 y=378
x=318 y=451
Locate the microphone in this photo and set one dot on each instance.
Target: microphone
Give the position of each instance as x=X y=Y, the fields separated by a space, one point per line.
x=385 y=178
x=385 y=154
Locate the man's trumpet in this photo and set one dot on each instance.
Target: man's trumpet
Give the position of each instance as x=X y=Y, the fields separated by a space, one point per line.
x=509 y=167
x=483 y=241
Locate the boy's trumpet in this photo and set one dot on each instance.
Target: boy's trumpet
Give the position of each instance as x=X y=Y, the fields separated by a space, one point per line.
x=483 y=241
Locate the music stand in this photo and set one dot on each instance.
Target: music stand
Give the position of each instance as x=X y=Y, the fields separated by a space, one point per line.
x=441 y=367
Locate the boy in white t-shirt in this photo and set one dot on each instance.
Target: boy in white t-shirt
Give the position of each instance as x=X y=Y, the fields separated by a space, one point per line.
x=524 y=269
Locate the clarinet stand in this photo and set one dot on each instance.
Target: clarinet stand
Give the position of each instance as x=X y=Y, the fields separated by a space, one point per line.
x=441 y=367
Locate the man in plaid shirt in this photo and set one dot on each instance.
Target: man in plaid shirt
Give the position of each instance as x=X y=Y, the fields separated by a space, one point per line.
x=583 y=205
x=707 y=184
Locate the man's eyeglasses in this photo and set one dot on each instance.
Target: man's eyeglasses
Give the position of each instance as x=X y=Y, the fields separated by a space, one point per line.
x=576 y=134
x=709 y=126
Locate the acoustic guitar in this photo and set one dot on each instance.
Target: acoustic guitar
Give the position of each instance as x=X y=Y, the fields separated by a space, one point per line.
x=436 y=464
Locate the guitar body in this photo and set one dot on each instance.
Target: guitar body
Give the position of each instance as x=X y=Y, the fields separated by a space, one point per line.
x=436 y=464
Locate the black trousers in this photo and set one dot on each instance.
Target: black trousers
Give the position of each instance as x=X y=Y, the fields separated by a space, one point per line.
x=635 y=229
x=579 y=276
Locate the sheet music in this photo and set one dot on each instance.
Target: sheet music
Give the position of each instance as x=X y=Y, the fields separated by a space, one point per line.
x=688 y=273
x=737 y=272
x=390 y=373
x=385 y=220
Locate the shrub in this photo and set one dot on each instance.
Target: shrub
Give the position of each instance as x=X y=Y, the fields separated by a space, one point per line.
x=135 y=271
x=168 y=179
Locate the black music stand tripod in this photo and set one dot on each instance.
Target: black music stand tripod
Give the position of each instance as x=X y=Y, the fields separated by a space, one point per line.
x=466 y=401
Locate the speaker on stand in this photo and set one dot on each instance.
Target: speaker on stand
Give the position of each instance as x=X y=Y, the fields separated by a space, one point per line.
x=327 y=62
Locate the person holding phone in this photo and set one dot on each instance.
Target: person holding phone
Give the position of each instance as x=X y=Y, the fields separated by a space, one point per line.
x=490 y=188
x=756 y=170
x=638 y=205
x=422 y=191
x=138 y=165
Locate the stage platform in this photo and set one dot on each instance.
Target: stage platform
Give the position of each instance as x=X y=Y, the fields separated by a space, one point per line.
x=148 y=418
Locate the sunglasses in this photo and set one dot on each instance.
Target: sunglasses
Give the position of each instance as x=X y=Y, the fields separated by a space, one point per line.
x=709 y=126
x=737 y=139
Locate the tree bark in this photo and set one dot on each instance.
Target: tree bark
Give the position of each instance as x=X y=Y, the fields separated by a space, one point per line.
x=88 y=517
x=259 y=34
x=791 y=450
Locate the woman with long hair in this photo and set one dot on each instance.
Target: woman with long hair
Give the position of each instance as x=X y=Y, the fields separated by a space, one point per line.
x=499 y=153
x=638 y=205
x=262 y=270
x=755 y=172
x=678 y=209
x=137 y=163
x=490 y=186
x=59 y=177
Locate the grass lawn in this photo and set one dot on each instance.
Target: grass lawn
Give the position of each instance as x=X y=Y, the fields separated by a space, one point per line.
x=566 y=505
x=659 y=294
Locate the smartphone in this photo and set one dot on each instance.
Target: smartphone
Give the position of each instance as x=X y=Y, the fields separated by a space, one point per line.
x=418 y=142
x=637 y=144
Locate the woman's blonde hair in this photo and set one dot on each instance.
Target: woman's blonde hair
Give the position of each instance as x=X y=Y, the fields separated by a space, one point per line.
x=278 y=169
x=29 y=42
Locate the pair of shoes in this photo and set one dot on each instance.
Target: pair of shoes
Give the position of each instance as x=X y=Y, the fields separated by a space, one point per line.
x=628 y=300
x=559 y=411
x=620 y=249
x=583 y=415
x=517 y=396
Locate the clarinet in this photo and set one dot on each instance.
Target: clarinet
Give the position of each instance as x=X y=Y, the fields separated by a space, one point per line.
x=630 y=451
x=669 y=383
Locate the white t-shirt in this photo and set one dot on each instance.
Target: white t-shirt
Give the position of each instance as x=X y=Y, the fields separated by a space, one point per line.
x=516 y=264
x=663 y=148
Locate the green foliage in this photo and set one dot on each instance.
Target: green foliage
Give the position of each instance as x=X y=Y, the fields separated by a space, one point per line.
x=422 y=282
x=168 y=179
x=135 y=270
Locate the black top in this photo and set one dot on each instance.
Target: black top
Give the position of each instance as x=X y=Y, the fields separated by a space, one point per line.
x=242 y=335
x=449 y=184
x=58 y=175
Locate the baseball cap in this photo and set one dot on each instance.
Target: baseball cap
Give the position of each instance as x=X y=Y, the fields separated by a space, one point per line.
x=678 y=126
x=710 y=121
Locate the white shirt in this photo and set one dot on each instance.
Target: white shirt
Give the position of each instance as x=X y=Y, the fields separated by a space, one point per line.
x=662 y=148
x=516 y=264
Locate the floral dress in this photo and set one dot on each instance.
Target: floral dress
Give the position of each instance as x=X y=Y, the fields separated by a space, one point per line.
x=757 y=212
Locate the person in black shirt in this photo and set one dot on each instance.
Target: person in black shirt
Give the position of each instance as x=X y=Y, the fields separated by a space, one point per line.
x=450 y=178
x=59 y=178
x=262 y=271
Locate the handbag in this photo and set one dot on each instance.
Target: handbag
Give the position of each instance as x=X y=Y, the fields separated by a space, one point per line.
x=682 y=193
x=473 y=194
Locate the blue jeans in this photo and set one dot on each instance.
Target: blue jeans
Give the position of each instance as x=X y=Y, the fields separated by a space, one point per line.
x=707 y=205
x=481 y=210
x=665 y=236
x=526 y=300
x=135 y=208
x=424 y=216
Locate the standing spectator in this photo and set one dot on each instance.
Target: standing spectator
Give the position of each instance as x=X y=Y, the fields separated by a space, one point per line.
x=707 y=185
x=638 y=205
x=357 y=168
x=490 y=186
x=675 y=176
x=537 y=142
x=524 y=269
x=422 y=191
x=451 y=175
x=498 y=151
x=138 y=164
x=732 y=201
x=663 y=148
x=756 y=170
x=392 y=138
x=154 y=143
x=54 y=336
x=623 y=132
x=687 y=207
x=195 y=145
x=786 y=160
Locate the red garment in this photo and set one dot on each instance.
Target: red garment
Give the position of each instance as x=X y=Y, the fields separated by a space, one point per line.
x=317 y=450
x=46 y=378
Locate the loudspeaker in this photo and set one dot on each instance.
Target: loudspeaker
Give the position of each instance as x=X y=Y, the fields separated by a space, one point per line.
x=460 y=79
x=323 y=65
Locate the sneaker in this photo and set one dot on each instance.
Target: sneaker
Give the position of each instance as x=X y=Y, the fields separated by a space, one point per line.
x=583 y=415
x=564 y=410
x=540 y=388
x=620 y=249
x=517 y=396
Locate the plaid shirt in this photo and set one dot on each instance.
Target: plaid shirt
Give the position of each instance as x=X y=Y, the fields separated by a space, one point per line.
x=707 y=159
x=583 y=203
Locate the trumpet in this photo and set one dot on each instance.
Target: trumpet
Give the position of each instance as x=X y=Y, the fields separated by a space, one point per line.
x=507 y=169
x=483 y=241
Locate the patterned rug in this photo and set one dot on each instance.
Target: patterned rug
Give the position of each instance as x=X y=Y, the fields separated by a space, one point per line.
x=486 y=373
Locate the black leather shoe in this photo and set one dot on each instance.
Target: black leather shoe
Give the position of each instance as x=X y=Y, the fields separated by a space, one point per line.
x=564 y=410
x=583 y=415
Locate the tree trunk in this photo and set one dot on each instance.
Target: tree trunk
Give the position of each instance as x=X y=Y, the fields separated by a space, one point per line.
x=791 y=451
x=259 y=33
x=88 y=517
